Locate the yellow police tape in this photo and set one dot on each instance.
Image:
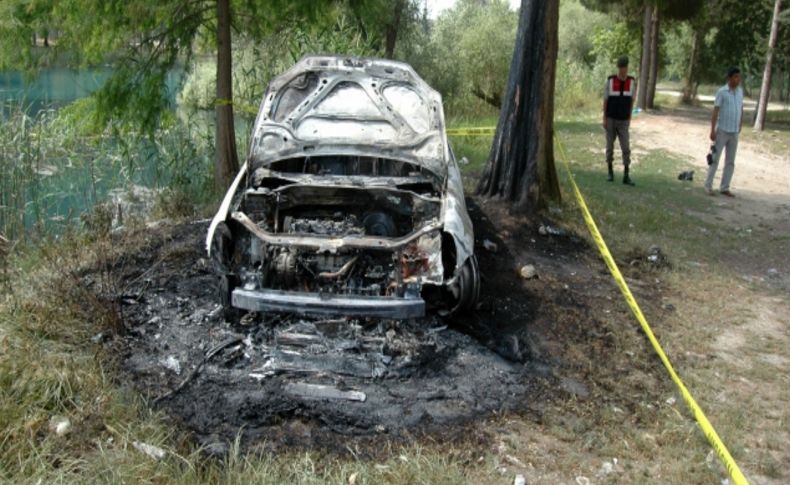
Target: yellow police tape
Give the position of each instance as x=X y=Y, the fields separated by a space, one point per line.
x=699 y=415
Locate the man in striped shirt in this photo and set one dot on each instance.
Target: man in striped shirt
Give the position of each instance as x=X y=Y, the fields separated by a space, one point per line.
x=725 y=126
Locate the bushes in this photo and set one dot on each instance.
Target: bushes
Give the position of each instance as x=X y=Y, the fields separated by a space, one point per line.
x=578 y=90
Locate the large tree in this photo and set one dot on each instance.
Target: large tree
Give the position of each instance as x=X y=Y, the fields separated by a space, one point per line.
x=144 y=40
x=520 y=167
x=655 y=11
x=765 y=87
x=227 y=162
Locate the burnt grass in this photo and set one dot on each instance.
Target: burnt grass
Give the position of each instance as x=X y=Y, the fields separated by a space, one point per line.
x=561 y=335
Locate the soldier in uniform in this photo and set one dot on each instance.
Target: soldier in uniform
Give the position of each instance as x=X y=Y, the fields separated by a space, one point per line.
x=618 y=101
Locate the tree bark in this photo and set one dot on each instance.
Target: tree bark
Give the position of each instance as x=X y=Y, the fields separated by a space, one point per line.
x=393 y=27
x=644 y=63
x=765 y=87
x=226 y=162
x=653 y=76
x=520 y=167
x=690 y=90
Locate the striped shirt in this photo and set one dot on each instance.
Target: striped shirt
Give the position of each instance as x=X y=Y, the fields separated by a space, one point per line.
x=730 y=104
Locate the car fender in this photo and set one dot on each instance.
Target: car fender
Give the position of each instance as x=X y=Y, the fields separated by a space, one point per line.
x=456 y=219
x=224 y=208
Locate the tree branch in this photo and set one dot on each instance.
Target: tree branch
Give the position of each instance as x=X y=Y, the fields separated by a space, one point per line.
x=494 y=100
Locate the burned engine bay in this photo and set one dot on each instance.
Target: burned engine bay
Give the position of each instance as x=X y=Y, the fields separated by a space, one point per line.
x=340 y=226
x=350 y=201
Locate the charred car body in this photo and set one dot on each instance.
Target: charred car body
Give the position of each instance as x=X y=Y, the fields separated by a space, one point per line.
x=350 y=201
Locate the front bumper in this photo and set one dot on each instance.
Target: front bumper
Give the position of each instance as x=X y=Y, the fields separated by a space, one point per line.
x=326 y=304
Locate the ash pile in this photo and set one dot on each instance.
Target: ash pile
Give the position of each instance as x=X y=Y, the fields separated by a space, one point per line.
x=337 y=348
x=279 y=380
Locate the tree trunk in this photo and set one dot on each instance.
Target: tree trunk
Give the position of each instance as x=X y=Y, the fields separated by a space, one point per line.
x=392 y=29
x=653 y=76
x=227 y=162
x=644 y=63
x=765 y=88
x=690 y=90
x=520 y=167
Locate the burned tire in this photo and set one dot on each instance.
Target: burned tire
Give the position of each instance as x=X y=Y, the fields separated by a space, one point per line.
x=225 y=286
x=222 y=248
x=466 y=290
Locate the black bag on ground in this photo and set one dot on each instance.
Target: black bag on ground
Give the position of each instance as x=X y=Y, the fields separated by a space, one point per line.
x=711 y=154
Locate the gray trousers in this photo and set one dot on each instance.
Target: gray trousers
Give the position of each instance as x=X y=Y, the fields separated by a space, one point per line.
x=618 y=129
x=728 y=141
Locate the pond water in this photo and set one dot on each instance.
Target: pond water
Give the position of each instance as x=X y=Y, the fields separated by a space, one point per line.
x=45 y=187
x=58 y=86
x=49 y=88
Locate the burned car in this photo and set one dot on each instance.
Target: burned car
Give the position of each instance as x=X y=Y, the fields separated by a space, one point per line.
x=350 y=201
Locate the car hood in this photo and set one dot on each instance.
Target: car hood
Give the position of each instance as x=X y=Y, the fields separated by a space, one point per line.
x=330 y=105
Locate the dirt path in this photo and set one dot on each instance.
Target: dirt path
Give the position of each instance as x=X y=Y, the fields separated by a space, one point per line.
x=761 y=181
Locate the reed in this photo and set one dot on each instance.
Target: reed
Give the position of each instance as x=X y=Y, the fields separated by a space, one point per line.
x=56 y=167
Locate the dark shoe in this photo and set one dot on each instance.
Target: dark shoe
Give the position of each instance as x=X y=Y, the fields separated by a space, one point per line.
x=627 y=181
x=610 y=177
x=727 y=193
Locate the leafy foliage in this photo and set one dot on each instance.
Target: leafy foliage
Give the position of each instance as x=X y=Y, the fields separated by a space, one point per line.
x=143 y=40
x=466 y=53
x=613 y=42
x=257 y=61
x=577 y=29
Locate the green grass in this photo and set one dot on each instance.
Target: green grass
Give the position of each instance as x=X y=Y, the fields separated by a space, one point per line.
x=711 y=300
x=474 y=148
x=661 y=210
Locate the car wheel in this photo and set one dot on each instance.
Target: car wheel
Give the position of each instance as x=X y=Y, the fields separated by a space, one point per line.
x=225 y=286
x=465 y=291
x=222 y=248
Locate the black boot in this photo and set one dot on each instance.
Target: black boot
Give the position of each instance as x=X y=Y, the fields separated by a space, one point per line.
x=626 y=179
x=610 y=178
